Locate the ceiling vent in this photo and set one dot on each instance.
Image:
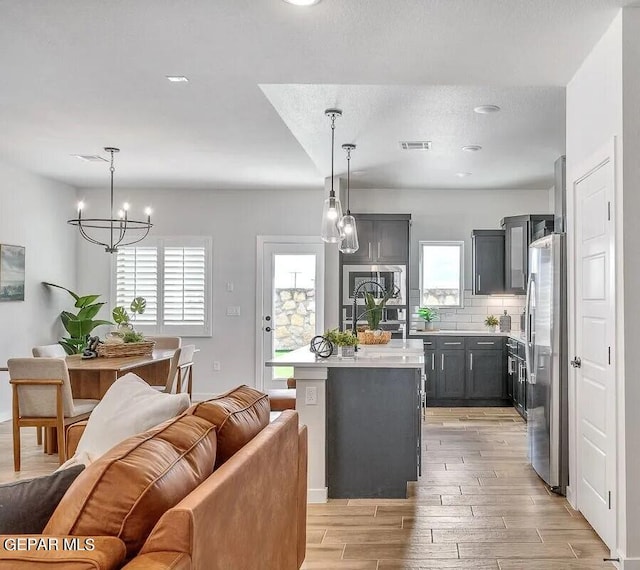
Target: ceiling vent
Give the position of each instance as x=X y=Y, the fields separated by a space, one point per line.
x=415 y=145
x=90 y=157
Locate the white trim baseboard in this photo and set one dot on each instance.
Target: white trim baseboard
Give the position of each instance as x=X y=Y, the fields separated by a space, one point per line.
x=5 y=417
x=318 y=496
x=628 y=563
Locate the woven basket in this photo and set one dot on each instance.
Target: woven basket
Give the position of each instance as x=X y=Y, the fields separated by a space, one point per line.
x=374 y=337
x=144 y=348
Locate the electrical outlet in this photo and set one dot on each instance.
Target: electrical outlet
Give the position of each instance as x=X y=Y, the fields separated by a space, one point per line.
x=216 y=365
x=230 y=286
x=311 y=396
x=233 y=311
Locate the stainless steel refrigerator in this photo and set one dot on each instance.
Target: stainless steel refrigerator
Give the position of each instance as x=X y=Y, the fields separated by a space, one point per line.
x=546 y=361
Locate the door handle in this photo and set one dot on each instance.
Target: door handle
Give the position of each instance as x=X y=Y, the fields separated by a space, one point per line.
x=267 y=329
x=442 y=362
x=576 y=362
x=471 y=361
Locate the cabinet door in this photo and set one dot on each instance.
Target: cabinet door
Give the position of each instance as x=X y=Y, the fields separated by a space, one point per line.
x=391 y=241
x=511 y=367
x=431 y=373
x=485 y=374
x=488 y=264
x=516 y=257
x=367 y=241
x=450 y=381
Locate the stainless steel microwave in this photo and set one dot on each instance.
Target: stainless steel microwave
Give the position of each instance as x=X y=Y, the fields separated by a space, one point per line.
x=387 y=276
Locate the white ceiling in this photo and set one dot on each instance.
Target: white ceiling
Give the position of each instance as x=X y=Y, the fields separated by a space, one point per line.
x=78 y=75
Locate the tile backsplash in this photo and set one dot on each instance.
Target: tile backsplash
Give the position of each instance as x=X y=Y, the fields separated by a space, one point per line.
x=476 y=309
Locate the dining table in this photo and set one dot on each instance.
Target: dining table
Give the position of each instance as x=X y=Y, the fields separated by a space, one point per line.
x=91 y=378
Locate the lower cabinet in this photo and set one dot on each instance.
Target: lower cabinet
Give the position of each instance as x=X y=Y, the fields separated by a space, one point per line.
x=465 y=371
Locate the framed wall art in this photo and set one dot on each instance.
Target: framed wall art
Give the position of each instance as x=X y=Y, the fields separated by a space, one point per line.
x=12 y=272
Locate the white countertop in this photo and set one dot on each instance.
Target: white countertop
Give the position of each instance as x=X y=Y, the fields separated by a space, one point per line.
x=516 y=335
x=397 y=353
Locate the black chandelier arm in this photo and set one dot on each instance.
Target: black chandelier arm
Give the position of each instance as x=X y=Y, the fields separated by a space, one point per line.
x=123 y=231
x=89 y=238
x=146 y=233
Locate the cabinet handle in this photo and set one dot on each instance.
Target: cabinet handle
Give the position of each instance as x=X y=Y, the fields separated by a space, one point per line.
x=429 y=343
x=491 y=343
x=471 y=361
x=452 y=343
x=379 y=256
x=369 y=250
x=433 y=361
x=479 y=286
x=442 y=362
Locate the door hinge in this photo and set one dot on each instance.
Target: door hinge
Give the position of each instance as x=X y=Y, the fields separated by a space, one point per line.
x=609 y=500
x=609 y=211
x=609 y=356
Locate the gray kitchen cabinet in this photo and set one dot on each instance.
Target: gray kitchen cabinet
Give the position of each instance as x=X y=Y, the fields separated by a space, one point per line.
x=431 y=372
x=383 y=238
x=520 y=231
x=487 y=260
x=450 y=379
x=485 y=375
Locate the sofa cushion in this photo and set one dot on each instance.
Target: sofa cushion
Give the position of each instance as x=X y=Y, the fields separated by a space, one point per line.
x=25 y=506
x=129 y=407
x=127 y=490
x=238 y=415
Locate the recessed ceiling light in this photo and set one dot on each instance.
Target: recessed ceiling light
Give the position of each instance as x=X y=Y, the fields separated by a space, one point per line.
x=463 y=174
x=89 y=157
x=178 y=79
x=302 y=2
x=472 y=148
x=486 y=109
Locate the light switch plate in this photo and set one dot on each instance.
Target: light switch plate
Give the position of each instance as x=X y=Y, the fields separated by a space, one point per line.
x=230 y=286
x=216 y=365
x=233 y=311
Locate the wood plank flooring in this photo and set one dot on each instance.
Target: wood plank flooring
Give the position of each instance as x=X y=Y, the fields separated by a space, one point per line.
x=478 y=505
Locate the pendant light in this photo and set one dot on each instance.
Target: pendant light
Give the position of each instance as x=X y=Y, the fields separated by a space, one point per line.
x=348 y=223
x=332 y=210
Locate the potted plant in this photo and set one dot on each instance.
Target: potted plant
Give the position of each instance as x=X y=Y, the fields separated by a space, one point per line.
x=79 y=325
x=428 y=315
x=373 y=314
x=491 y=323
x=122 y=319
x=347 y=343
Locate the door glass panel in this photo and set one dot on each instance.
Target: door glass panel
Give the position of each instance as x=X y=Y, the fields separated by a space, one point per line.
x=517 y=257
x=294 y=305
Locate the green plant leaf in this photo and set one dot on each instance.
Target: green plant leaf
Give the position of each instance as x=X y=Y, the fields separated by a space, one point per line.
x=120 y=315
x=82 y=302
x=61 y=287
x=89 y=311
x=138 y=305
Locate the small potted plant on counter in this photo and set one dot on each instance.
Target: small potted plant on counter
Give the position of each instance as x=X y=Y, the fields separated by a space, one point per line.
x=491 y=322
x=344 y=343
x=428 y=315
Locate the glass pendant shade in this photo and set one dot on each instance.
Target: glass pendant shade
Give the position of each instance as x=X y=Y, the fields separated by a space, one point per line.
x=350 y=242
x=331 y=231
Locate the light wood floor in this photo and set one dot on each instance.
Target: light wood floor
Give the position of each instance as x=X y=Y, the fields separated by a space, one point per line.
x=479 y=506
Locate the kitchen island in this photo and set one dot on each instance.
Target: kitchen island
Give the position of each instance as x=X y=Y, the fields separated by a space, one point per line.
x=363 y=417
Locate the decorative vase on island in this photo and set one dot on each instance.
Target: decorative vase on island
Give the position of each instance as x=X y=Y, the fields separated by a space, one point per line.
x=346 y=351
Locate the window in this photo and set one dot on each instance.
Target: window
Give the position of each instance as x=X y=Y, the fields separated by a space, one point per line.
x=174 y=276
x=441 y=273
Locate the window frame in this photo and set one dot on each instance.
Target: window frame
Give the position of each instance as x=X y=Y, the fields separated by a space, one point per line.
x=460 y=245
x=160 y=328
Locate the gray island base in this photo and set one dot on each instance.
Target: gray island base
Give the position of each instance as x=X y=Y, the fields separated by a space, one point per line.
x=363 y=419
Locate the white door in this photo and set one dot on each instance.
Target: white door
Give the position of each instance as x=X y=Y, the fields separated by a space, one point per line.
x=290 y=307
x=594 y=343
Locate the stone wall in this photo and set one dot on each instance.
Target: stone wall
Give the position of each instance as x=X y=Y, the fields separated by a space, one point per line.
x=295 y=318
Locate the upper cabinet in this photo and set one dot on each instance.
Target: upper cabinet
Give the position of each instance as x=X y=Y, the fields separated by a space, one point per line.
x=488 y=262
x=383 y=238
x=520 y=231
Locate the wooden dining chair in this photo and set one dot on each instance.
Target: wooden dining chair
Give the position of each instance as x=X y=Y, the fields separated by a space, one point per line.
x=181 y=370
x=47 y=351
x=42 y=398
x=165 y=342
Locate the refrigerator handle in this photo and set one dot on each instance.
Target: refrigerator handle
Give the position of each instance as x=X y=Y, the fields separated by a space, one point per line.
x=527 y=329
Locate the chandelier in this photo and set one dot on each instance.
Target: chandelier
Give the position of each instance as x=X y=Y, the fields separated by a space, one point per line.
x=348 y=223
x=330 y=231
x=115 y=231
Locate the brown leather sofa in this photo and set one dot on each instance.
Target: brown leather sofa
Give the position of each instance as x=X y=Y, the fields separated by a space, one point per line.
x=248 y=514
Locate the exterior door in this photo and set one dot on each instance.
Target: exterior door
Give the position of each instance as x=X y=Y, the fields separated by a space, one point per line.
x=290 y=307
x=594 y=343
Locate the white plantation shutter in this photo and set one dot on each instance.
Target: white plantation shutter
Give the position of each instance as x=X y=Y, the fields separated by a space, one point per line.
x=184 y=285
x=137 y=276
x=174 y=276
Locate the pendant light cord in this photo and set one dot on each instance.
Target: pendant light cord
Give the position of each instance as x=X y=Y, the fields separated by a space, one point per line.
x=112 y=170
x=348 y=179
x=333 y=137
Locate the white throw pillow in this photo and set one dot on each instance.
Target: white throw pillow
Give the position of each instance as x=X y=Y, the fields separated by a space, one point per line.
x=129 y=407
